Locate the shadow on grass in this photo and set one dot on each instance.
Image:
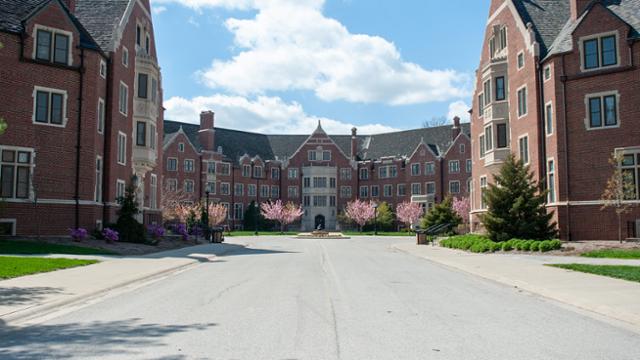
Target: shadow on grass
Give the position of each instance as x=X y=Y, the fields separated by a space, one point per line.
x=125 y=338
x=16 y=296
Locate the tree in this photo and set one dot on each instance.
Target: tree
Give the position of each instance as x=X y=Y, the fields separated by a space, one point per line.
x=435 y=121
x=283 y=214
x=385 y=217
x=409 y=213
x=217 y=214
x=462 y=207
x=172 y=204
x=441 y=214
x=516 y=205
x=620 y=187
x=360 y=212
x=128 y=227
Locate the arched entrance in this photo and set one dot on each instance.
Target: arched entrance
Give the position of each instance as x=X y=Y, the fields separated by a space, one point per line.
x=320 y=222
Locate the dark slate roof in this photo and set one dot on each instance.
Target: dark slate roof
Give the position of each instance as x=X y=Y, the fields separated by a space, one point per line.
x=101 y=18
x=14 y=12
x=236 y=143
x=548 y=18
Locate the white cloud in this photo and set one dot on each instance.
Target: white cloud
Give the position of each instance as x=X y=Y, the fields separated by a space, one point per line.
x=460 y=109
x=158 y=9
x=262 y=114
x=291 y=45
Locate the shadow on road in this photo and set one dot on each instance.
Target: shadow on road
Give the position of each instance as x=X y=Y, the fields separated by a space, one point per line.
x=16 y=296
x=81 y=340
x=216 y=249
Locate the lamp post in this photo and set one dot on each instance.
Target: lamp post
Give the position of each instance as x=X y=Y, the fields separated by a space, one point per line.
x=205 y=218
x=257 y=211
x=375 y=218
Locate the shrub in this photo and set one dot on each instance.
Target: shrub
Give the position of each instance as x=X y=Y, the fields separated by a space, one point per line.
x=129 y=229
x=535 y=246
x=506 y=246
x=442 y=213
x=545 y=246
x=79 y=234
x=110 y=235
x=473 y=243
x=527 y=245
x=496 y=247
x=556 y=244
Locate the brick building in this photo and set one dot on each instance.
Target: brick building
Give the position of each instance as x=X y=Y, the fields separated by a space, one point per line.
x=81 y=93
x=559 y=86
x=319 y=171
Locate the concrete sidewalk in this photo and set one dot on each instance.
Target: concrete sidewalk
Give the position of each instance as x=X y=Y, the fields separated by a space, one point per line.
x=31 y=296
x=609 y=297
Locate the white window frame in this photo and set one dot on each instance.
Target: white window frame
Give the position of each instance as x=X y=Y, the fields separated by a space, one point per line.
x=126 y=100
x=153 y=191
x=427 y=165
x=419 y=172
x=468 y=166
x=601 y=95
x=99 y=177
x=598 y=36
x=528 y=153
x=426 y=190
x=193 y=186
x=419 y=185
x=125 y=56
x=453 y=182
x=193 y=165
x=544 y=73
x=292 y=173
x=454 y=169
x=401 y=186
x=120 y=184
x=169 y=161
x=555 y=181
x=227 y=186
x=65 y=98
x=526 y=100
x=546 y=118
x=173 y=188
x=53 y=32
x=181 y=147
x=524 y=60
x=122 y=139
x=31 y=165
x=365 y=193
x=101 y=115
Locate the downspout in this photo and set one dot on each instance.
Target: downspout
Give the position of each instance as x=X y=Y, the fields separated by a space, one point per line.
x=563 y=78
x=78 y=139
x=106 y=162
x=542 y=133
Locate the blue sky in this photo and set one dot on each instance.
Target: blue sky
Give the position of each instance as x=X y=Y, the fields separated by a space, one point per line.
x=277 y=66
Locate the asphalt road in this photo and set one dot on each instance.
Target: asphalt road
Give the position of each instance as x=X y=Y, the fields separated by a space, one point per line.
x=330 y=299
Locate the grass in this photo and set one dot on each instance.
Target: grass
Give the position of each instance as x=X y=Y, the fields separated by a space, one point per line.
x=11 y=267
x=614 y=254
x=38 y=248
x=380 y=233
x=625 y=272
x=263 y=233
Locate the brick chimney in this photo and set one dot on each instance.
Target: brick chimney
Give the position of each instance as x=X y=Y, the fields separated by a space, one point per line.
x=455 y=130
x=354 y=143
x=206 y=135
x=71 y=4
x=578 y=7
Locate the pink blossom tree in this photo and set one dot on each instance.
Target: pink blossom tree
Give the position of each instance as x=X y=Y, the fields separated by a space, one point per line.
x=217 y=214
x=283 y=214
x=360 y=212
x=292 y=213
x=409 y=213
x=462 y=207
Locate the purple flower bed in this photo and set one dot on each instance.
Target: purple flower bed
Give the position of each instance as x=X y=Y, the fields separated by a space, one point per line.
x=155 y=231
x=79 y=234
x=110 y=235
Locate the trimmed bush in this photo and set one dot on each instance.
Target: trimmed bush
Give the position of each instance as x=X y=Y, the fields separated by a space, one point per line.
x=535 y=246
x=545 y=246
x=481 y=244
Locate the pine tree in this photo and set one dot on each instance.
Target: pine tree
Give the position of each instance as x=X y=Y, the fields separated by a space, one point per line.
x=442 y=213
x=516 y=205
x=128 y=227
x=386 y=217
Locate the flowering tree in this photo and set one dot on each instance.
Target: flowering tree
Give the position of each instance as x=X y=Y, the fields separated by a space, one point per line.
x=217 y=214
x=283 y=214
x=360 y=212
x=409 y=213
x=462 y=207
x=620 y=188
x=171 y=203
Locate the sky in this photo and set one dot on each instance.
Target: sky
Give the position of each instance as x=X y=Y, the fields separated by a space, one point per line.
x=279 y=66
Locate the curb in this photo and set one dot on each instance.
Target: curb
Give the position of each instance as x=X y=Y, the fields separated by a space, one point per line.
x=39 y=310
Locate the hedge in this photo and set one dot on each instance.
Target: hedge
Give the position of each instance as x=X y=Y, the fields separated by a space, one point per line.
x=481 y=244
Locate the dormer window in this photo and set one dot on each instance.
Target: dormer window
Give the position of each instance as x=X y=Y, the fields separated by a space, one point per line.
x=599 y=52
x=319 y=155
x=53 y=46
x=498 y=41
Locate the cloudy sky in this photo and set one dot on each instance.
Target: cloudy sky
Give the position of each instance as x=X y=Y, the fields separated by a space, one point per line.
x=279 y=66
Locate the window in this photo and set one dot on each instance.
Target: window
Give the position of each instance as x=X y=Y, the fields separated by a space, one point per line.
x=225 y=169
x=501 y=93
x=483 y=190
x=50 y=106
x=326 y=155
x=345 y=174
x=319 y=182
x=98 y=194
x=482 y=142
x=275 y=191
x=364 y=174
x=488 y=136
x=600 y=52
x=523 y=146
x=225 y=189
x=549 y=118
x=364 y=191
x=501 y=138
x=257 y=172
x=147 y=44
x=480 y=105
x=454 y=166
x=454 y=187
x=630 y=173
x=246 y=170
x=547 y=72
x=141 y=133
x=264 y=191
x=123 y=99
x=275 y=173
x=53 y=46
x=522 y=102
x=122 y=148
x=188 y=186
x=188 y=165
x=332 y=183
x=520 y=60
x=316 y=155
x=387 y=191
x=603 y=111
x=172 y=164
x=154 y=90
x=138 y=34
x=312 y=156
x=431 y=188
x=306 y=182
x=468 y=166
x=402 y=190
x=143 y=83
x=551 y=181
x=415 y=170
x=503 y=37
x=121 y=188
x=345 y=191
x=487 y=92
x=153 y=192
x=292 y=192
x=306 y=200
x=293 y=173
x=103 y=69
x=382 y=172
x=320 y=201
x=238 y=211
x=332 y=201
x=125 y=56
x=211 y=167
x=211 y=187
x=375 y=191
x=181 y=147
x=462 y=148
x=239 y=190
x=251 y=190
x=172 y=184
x=101 y=114
x=416 y=189
x=15 y=173
x=430 y=168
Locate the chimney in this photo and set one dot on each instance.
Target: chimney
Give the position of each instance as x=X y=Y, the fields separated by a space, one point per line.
x=354 y=143
x=578 y=7
x=71 y=4
x=206 y=135
x=455 y=130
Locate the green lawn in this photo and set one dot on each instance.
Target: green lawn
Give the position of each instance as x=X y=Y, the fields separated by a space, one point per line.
x=263 y=233
x=11 y=267
x=614 y=254
x=380 y=233
x=39 y=248
x=625 y=272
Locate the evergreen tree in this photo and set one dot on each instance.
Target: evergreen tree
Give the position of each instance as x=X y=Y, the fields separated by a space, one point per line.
x=250 y=215
x=442 y=213
x=385 y=219
x=129 y=229
x=516 y=205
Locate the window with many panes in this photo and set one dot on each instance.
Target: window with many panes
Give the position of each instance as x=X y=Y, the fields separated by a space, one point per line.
x=172 y=164
x=275 y=191
x=188 y=186
x=275 y=173
x=50 y=106
x=211 y=187
x=454 y=187
x=238 y=190
x=211 y=167
x=630 y=167
x=402 y=189
x=415 y=169
x=264 y=191
x=522 y=102
x=454 y=166
x=53 y=46
x=345 y=191
x=225 y=169
x=251 y=190
x=603 y=111
x=257 y=171
x=430 y=168
x=238 y=211
x=246 y=170
x=123 y=99
x=375 y=191
x=122 y=148
x=188 y=165
x=293 y=192
x=293 y=173
x=15 y=173
x=523 y=146
x=345 y=174
x=387 y=191
x=431 y=188
x=364 y=191
x=225 y=189
x=416 y=189
x=172 y=184
x=364 y=174
x=599 y=52
x=306 y=182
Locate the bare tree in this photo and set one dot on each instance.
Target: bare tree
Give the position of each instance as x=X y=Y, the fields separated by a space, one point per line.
x=171 y=202
x=435 y=121
x=619 y=189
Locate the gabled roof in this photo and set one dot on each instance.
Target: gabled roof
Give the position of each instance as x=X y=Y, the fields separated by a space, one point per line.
x=101 y=18
x=548 y=18
x=236 y=143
